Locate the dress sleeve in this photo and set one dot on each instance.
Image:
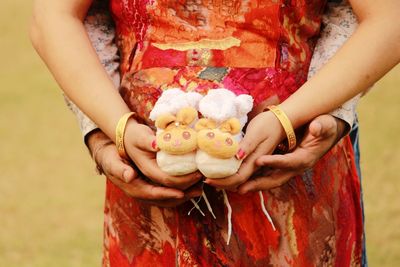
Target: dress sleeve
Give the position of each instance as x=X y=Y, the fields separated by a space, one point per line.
x=100 y=28
x=339 y=23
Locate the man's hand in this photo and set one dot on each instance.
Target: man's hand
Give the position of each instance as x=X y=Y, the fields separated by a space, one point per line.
x=322 y=133
x=124 y=176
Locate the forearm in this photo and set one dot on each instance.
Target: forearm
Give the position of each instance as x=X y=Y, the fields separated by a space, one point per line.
x=86 y=125
x=360 y=62
x=96 y=140
x=61 y=40
x=101 y=32
x=338 y=24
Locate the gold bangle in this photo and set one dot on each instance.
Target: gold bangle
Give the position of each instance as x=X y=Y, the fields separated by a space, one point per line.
x=286 y=124
x=119 y=134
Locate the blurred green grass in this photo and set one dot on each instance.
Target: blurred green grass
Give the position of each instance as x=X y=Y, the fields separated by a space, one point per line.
x=51 y=200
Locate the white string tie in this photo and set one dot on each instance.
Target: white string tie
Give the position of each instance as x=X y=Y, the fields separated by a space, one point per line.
x=265 y=211
x=208 y=205
x=196 y=206
x=229 y=215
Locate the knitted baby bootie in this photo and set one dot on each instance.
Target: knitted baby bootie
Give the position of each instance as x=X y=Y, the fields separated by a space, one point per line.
x=175 y=114
x=219 y=132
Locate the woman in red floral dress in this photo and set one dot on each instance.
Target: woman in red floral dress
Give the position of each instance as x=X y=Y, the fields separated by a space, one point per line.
x=261 y=48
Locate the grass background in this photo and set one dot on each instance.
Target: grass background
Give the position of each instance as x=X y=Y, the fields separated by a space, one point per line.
x=51 y=201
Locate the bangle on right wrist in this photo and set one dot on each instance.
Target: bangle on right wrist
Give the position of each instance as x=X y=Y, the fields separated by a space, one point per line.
x=287 y=126
x=120 y=132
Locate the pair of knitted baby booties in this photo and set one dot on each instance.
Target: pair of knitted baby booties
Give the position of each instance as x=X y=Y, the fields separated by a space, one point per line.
x=209 y=144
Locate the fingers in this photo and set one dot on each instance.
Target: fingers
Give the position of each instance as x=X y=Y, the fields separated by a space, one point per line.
x=273 y=161
x=113 y=165
x=249 y=143
x=144 y=156
x=181 y=182
x=141 y=136
x=259 y=131
x=129 y=174
x=147 y=191
x=151 y=170
x=232 y=182
x=322 y=125
x=171 y=203
x=290 y=161
x=275 y=179
x=140 y=189
x=116 y=167
x=156 y=195
x=194 y=191
x=247 y=169
x=315 y=128
x=185 y=181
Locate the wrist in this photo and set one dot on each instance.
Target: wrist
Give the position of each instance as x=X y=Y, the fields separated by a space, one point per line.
x=120 y=132
x=286 y=129
x=131 y=130
x=279 y=131
x=96 y=139
x=297 y=114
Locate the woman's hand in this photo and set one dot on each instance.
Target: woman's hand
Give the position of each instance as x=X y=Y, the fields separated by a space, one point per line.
x=121 y=174
x=141 y=148
x=322 y=133
x=263 y=133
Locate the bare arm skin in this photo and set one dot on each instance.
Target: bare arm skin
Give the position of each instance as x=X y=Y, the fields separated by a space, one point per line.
x=58 y=34
x=369 y=54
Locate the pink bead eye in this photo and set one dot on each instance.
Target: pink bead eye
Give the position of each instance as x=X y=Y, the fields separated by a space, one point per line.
x=186 y=135
x=229 y=141
x=167 y=137
x=210 y=135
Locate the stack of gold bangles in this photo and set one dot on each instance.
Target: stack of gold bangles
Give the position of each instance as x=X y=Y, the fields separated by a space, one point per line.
x=287 y=126
x=120 y=132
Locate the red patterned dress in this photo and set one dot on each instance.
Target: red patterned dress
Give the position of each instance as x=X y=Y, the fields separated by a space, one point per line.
x=259 y=47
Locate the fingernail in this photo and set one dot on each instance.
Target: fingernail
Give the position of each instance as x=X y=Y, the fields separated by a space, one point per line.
x=318 y=127
x=126 y=177
x=240 y=154
x=251 y=190
x=245 y=189
x=154 y=144
x=242 y=192
x=179 y=196
x=206 y=181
